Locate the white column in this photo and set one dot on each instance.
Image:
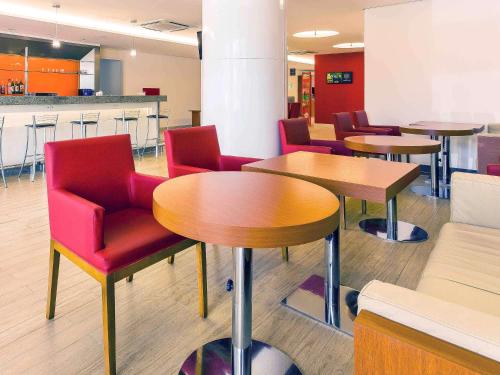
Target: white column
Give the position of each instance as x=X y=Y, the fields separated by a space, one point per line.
x=243 y=74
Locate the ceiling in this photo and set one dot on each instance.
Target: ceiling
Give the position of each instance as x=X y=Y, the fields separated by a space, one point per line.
x=344 y=16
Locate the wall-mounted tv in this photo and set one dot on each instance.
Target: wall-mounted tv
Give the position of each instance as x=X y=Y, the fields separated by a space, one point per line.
x=339 y=78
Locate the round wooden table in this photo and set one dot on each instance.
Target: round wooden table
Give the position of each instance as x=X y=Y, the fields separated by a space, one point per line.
x=391 y=228
x=436 y=129
x=248 y=210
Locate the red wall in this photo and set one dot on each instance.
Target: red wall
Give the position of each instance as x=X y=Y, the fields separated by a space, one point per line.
x=339 y=98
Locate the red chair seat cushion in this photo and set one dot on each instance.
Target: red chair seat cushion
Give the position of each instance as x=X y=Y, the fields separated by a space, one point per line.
x=130 y=235
x=493 y=169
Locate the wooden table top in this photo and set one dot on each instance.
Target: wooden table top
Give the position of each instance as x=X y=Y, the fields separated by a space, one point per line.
x=371 y=179
x=442 y=128
x=386 y=144
x=243 y=209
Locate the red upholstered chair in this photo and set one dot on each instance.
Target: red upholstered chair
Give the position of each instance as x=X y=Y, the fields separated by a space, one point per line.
x=493 y=169
x=344 y=127
x=294 y=136
x=293 y=110
x=195 y=150
x=361 y=123
x=100 y=213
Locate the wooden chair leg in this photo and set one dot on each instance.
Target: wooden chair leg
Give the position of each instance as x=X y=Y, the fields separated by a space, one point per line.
x=284 y=253
x=108 y=326
x=130 y=278
x=55 y=257
x=171 y=259
x=201 y=265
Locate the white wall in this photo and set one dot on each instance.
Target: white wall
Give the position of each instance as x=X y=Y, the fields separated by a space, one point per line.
x=177 y=77
x=434 y=60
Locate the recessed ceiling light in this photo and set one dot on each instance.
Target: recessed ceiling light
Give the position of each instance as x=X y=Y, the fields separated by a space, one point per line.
x=316 y=34
x=350 y=45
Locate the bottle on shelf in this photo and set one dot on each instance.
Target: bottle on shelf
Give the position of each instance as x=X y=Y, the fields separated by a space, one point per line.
x=2 y=88
x=9 y=87
x=21 y=87
x=14 y=90
x=16 y=87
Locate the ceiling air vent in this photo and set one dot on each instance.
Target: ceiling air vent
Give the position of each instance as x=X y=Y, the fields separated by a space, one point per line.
x=164 y=25
x=302 y=52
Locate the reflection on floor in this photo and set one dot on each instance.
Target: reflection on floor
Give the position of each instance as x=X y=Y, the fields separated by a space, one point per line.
x=157 y=314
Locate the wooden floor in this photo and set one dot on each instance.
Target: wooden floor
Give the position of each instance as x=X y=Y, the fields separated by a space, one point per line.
x=157 y=316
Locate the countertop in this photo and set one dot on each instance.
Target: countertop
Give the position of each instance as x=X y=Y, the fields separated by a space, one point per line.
x=64 y=100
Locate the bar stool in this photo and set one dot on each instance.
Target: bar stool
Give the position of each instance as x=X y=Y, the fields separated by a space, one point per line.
x=86 y=119
x=157 y=118
x=40 y=123
x=125 y=119
x=2 y=119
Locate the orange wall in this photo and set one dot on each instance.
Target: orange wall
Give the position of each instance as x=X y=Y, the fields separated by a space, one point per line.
x=45 y=75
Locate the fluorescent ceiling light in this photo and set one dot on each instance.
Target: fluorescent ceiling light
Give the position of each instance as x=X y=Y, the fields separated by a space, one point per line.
x=350 y=45
x=316 y=34
x=133 y=52
x=9 y=8
x=302 y=60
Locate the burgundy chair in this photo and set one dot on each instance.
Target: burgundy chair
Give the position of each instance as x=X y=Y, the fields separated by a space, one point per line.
x=493 y=169
x=100 y=213
x=343 y=125
x=195 y=150
x=294 y=136
x=293 y=110
x=488 y=151
x=361 y=123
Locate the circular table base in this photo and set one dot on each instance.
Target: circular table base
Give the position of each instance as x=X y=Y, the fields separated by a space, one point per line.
x=406 y=232
x=214 y=358
x=425 y=191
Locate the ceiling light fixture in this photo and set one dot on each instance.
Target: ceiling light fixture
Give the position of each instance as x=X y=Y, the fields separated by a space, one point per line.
x=316 y=34
x=350 y=45
x=56 y=43
x=13 y=9
x=133 y=51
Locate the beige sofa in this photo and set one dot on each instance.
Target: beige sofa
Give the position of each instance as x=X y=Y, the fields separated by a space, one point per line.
x=451 y=322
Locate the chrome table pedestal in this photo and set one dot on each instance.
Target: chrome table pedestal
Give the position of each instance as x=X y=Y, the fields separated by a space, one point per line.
x=239 y=355
x=437 y=188
x=323 y=298
x=390 y=228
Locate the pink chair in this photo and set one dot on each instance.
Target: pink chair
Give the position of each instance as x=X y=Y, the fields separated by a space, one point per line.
x=195 y=150
x=493 y=169
x=361 y=123
x=344 y=127
x=100 y=213
x=294 y=136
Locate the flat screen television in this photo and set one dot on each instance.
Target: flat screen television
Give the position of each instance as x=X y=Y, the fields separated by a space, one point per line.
x=339 y=78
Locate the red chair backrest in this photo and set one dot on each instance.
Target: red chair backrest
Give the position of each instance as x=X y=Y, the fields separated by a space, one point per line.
x=97 y=169
x=360 y=119
x=194 y=147
x=294 y=132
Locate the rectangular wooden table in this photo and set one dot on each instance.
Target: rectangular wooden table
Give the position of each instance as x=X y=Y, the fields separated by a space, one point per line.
x=368 y=179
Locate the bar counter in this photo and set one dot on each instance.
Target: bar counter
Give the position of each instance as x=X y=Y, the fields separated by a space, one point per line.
x=75 y=100
x=19 y=111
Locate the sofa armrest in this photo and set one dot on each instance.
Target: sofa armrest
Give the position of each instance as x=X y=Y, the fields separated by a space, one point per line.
x=181 y=170
x=141 y=189
x=475 y=199
x=288 y=149
x=75 y=222
x=458 y=325
x=234 y=163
